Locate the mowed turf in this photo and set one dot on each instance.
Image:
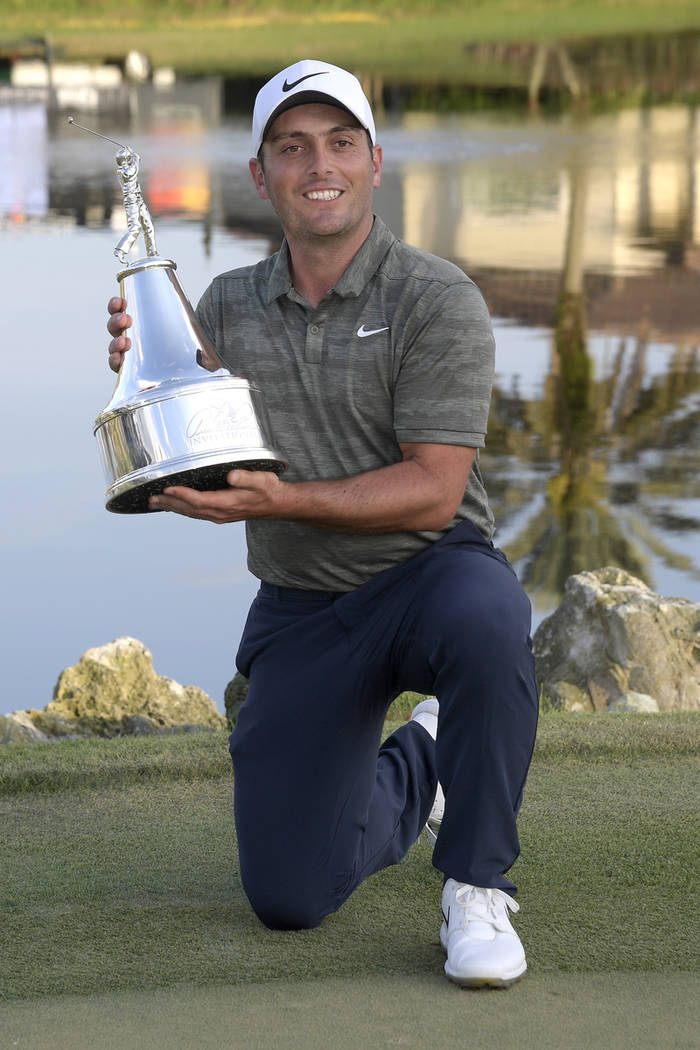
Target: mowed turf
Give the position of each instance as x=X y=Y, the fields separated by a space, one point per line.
x=131 y=884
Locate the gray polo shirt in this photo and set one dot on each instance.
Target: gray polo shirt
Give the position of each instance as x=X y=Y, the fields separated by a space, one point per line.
x=400 y=350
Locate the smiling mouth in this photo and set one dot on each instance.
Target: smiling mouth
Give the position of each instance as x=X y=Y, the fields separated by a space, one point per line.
x=322 y=195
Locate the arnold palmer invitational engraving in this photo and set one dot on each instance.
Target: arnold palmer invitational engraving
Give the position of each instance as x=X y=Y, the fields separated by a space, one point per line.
x=236 y=422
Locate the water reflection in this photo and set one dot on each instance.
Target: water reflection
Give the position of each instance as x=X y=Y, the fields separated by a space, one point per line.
x=643 y=192
x=24 y=171
x=602 y=452
x=583 y=233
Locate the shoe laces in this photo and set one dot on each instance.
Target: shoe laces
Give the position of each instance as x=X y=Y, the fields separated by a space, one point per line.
x=484 y=904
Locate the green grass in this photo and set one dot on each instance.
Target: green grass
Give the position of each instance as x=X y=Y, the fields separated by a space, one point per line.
x=76 y=764
x=414 y=40
x=129 y=880
x=190 y=757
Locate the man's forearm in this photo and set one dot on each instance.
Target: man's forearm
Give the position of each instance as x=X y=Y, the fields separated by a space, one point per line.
x=421 y=492
x=398 y=498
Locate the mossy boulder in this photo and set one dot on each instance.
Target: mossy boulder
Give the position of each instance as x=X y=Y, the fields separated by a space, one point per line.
x=113 y=690
x=613 y=637
x=234 y=695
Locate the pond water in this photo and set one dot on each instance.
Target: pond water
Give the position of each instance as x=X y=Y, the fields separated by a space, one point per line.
x=583 y=233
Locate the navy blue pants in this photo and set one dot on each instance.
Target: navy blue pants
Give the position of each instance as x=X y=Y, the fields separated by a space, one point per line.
x=319 y=804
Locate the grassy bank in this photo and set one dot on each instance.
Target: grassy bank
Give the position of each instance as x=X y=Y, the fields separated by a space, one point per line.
x=129 y=881
x=192 y=757
x=412 y=41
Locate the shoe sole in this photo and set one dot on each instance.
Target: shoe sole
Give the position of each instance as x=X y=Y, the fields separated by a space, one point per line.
x=485 y=982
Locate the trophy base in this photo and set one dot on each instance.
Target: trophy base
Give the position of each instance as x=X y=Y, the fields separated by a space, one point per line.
x=208 y=478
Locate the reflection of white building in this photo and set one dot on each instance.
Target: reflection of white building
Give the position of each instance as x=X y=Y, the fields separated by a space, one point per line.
x=641 y=179
x=24 y=189
x=68 y=85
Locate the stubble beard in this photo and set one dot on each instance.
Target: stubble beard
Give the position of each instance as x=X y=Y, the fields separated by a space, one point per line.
x=296 y=226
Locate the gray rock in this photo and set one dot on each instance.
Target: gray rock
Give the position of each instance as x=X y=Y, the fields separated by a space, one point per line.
x=18 y=728
x=610 y=636
x=138 y=725
x=641 y=702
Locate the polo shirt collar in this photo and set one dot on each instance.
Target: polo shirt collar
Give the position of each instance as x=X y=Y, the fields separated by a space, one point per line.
x=361 y=268
x=280 y=279
x=366 y=260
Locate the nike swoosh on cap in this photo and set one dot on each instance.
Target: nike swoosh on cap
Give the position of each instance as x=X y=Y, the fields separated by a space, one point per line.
x=364 y=332
x=288 y=87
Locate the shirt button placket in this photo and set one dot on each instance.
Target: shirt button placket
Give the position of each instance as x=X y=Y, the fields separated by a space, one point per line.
x=314 y=343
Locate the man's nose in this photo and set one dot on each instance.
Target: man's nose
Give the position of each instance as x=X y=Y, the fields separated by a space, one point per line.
x=321 y=161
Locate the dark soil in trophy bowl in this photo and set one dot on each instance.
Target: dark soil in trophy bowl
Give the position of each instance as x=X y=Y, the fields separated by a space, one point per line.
x=205 y=479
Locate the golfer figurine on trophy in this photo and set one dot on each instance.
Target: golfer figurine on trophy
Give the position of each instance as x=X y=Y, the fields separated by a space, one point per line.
x=138 y=216
x=177 y=416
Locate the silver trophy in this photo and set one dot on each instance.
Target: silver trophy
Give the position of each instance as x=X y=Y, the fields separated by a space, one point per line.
x=177 y=415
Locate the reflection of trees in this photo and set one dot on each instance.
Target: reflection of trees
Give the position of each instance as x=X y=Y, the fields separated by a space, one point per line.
x=610 y=68
x=617 y=455
x=569 y=75
x=583 y=432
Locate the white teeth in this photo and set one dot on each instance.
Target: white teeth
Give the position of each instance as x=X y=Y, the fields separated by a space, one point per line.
x=322 y=195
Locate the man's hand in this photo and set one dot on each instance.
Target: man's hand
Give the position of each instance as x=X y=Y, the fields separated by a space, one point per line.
x=118 y=322
x=252 y=494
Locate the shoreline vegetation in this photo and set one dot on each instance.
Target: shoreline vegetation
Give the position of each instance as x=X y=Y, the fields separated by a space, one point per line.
x=415 y=41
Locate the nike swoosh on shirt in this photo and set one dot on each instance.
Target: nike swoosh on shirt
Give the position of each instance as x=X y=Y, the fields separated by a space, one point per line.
x=364 y=332
x=288 y=87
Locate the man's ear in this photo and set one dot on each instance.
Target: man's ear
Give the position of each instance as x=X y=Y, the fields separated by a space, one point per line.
x=377 y=158
x=258 y=176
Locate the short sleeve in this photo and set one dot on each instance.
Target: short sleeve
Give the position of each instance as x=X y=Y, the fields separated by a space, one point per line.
x=206 y=315
x=443 y=390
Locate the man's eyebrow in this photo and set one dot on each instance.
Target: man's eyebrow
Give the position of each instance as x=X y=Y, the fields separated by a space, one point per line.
x=304 y=134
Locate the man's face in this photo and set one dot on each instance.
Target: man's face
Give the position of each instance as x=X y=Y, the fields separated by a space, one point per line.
x=319 y=173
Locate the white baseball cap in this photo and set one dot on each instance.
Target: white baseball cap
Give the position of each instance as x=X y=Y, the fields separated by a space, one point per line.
x=310 y=81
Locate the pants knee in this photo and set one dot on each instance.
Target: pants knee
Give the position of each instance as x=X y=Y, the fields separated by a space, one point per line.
x=281 y=909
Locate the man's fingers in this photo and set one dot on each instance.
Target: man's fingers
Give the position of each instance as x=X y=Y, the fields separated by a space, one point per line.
x=212 y=506
x=118 y=322
x=119 y=344
x=116 y=360
x=116 y=350
x=250 y=479
x=216 y=500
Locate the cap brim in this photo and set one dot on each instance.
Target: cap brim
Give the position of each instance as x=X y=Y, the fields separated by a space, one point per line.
x=302 y=98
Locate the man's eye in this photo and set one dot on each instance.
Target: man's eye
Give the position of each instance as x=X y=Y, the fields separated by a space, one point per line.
x=293 y=147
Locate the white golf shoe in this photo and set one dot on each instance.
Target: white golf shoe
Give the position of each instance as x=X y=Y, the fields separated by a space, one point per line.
x=482 y=947
x=426 y=714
